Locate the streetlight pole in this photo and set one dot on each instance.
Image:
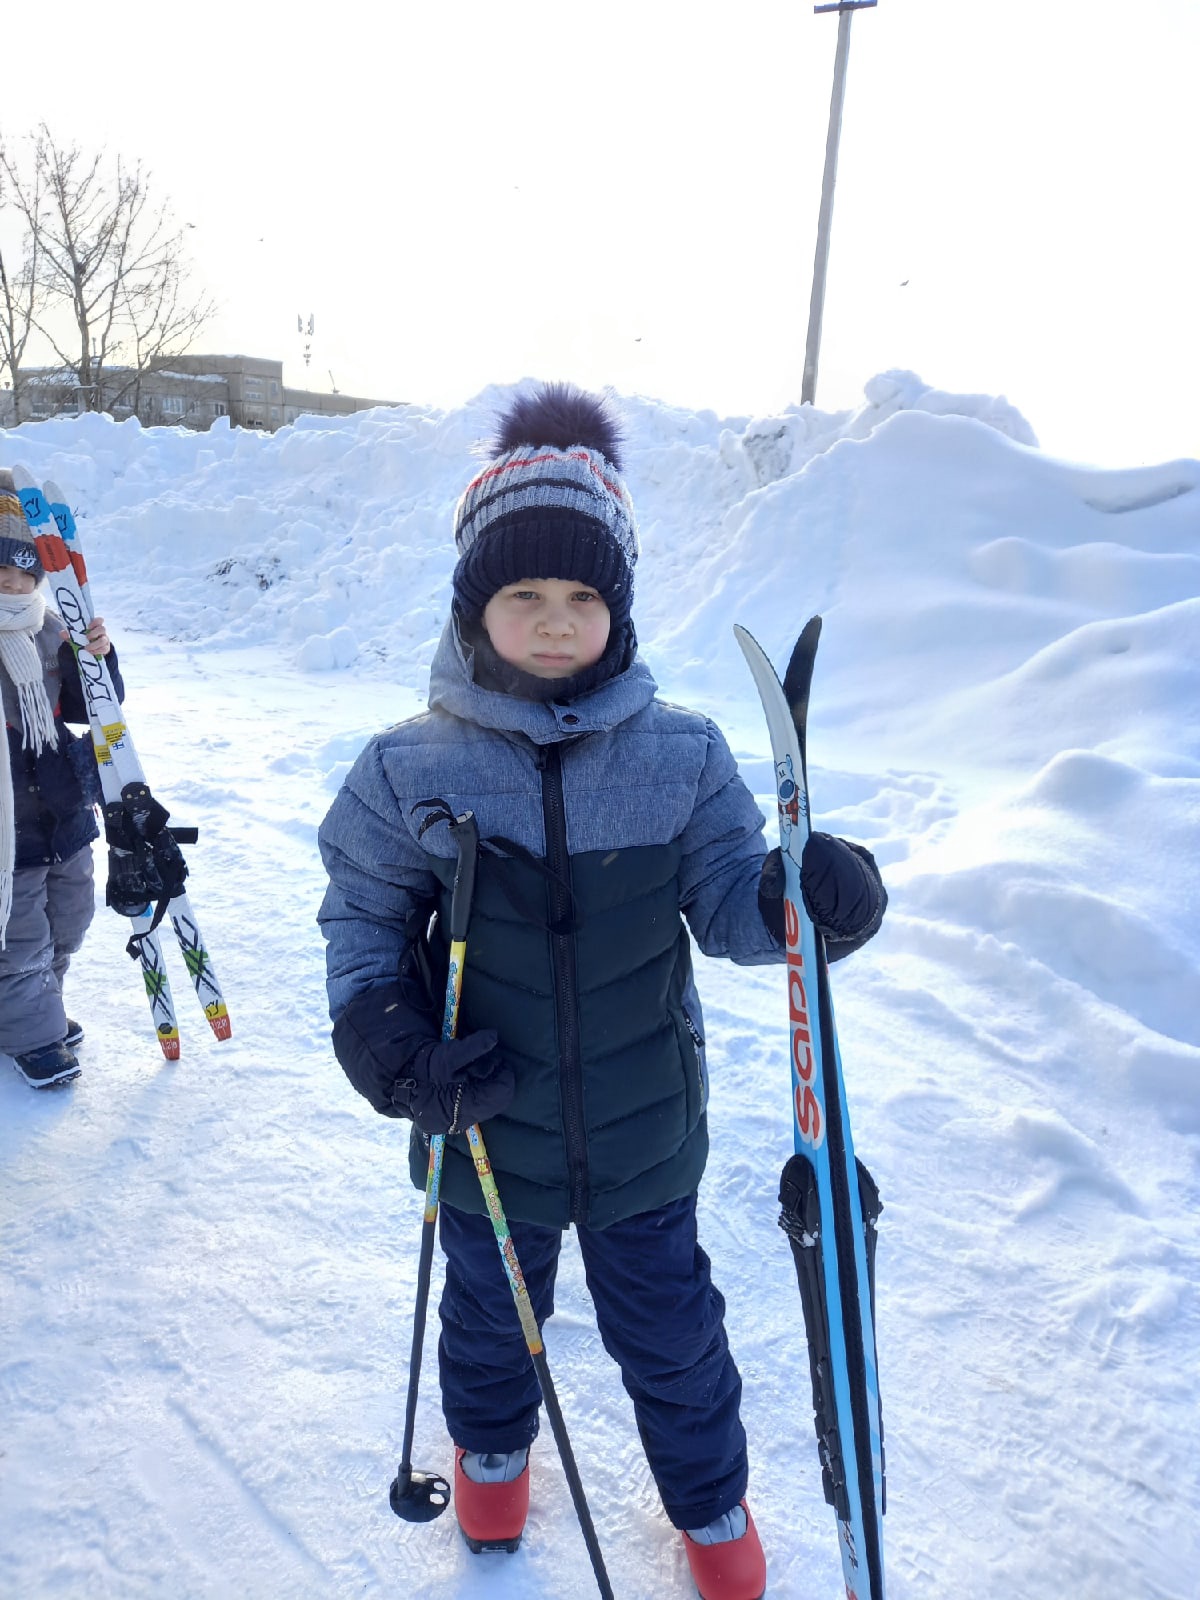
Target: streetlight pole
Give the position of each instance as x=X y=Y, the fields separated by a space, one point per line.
x=816 y=307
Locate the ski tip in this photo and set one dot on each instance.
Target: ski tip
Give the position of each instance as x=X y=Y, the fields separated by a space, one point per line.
x=60 y=510
x=809 y=634
x=170 y=1045
x=805 y=644
x=221 y=1026
x=750 y=646
x=798 y=677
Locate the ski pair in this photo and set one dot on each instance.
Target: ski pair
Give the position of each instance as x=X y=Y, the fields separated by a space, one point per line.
x=830 y=1204
x=146 y=866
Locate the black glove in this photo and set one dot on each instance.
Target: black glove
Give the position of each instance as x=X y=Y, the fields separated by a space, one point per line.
x=843 y=892
x=390 y=1050
x=450 y=1083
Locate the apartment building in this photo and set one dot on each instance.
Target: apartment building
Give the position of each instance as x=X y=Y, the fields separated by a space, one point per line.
x=192 y=393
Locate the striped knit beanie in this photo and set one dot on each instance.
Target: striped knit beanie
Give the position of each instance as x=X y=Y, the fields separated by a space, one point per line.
x=17 y=548
x=550 y=504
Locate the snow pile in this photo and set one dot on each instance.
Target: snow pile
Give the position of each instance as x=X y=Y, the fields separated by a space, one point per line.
x=203 y=1337
x=340 y=523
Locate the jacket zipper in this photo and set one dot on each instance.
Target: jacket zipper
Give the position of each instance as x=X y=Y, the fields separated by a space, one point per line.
x=566 y=985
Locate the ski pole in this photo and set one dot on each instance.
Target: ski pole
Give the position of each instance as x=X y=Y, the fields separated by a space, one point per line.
x=422 y=1496
x=533 y=1339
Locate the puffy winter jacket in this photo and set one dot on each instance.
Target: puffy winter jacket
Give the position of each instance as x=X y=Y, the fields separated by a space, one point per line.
x=635 y=812
x=55 y=792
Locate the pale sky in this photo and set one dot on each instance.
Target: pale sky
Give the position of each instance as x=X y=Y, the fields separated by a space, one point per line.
x=626 y=194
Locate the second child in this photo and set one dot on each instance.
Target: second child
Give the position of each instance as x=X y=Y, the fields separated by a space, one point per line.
x=49 y=787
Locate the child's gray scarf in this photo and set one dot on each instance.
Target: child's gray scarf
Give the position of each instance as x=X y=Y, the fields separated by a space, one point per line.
x=21 y=619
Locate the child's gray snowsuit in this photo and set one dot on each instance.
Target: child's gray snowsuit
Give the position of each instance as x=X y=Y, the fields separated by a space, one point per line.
x=54 y=796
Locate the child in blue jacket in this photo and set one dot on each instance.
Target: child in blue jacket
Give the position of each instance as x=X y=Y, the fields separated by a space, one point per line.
x=49 y=787
x=612 y=824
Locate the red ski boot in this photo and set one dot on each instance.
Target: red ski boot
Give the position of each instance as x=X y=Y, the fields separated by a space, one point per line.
x=491 y=1515
x=734 y=1569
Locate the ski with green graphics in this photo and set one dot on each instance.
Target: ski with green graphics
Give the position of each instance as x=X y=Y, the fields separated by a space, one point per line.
x=830 y=1205
x=146 y=865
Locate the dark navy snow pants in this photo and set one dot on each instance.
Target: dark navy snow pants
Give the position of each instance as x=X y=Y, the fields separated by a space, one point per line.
x=660 y=1317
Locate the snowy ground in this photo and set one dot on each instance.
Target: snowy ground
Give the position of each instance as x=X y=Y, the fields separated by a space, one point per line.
x=209 y=1267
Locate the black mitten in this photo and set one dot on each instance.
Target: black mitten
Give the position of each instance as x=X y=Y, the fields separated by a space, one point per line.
x=390 y=1050
x=450 y=1083
x=843 y=892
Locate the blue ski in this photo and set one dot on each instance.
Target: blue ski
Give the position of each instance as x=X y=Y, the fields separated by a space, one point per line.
x=830 y=1205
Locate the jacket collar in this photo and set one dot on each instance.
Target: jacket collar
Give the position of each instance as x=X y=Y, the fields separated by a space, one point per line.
x=452 y=688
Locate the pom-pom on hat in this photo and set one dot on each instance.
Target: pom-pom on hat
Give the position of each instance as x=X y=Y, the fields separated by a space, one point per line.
x=550 y=504
x=17 y=548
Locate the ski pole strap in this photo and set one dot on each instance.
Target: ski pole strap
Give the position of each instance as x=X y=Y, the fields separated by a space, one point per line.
x=527 y=905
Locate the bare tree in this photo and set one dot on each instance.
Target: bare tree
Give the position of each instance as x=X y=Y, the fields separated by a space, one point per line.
x=110 y=263
x=20 y=292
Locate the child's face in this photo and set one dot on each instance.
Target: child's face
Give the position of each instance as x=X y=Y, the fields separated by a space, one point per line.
x=549 y=627
x=14 y=581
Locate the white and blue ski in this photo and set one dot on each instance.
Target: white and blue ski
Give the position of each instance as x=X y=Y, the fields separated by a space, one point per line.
x=141 y=846
x=830 y=1205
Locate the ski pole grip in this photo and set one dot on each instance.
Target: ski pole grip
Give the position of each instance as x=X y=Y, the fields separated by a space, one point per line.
x=466 y=836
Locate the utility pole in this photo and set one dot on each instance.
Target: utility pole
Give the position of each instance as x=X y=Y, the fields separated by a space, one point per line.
x=816 y=307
